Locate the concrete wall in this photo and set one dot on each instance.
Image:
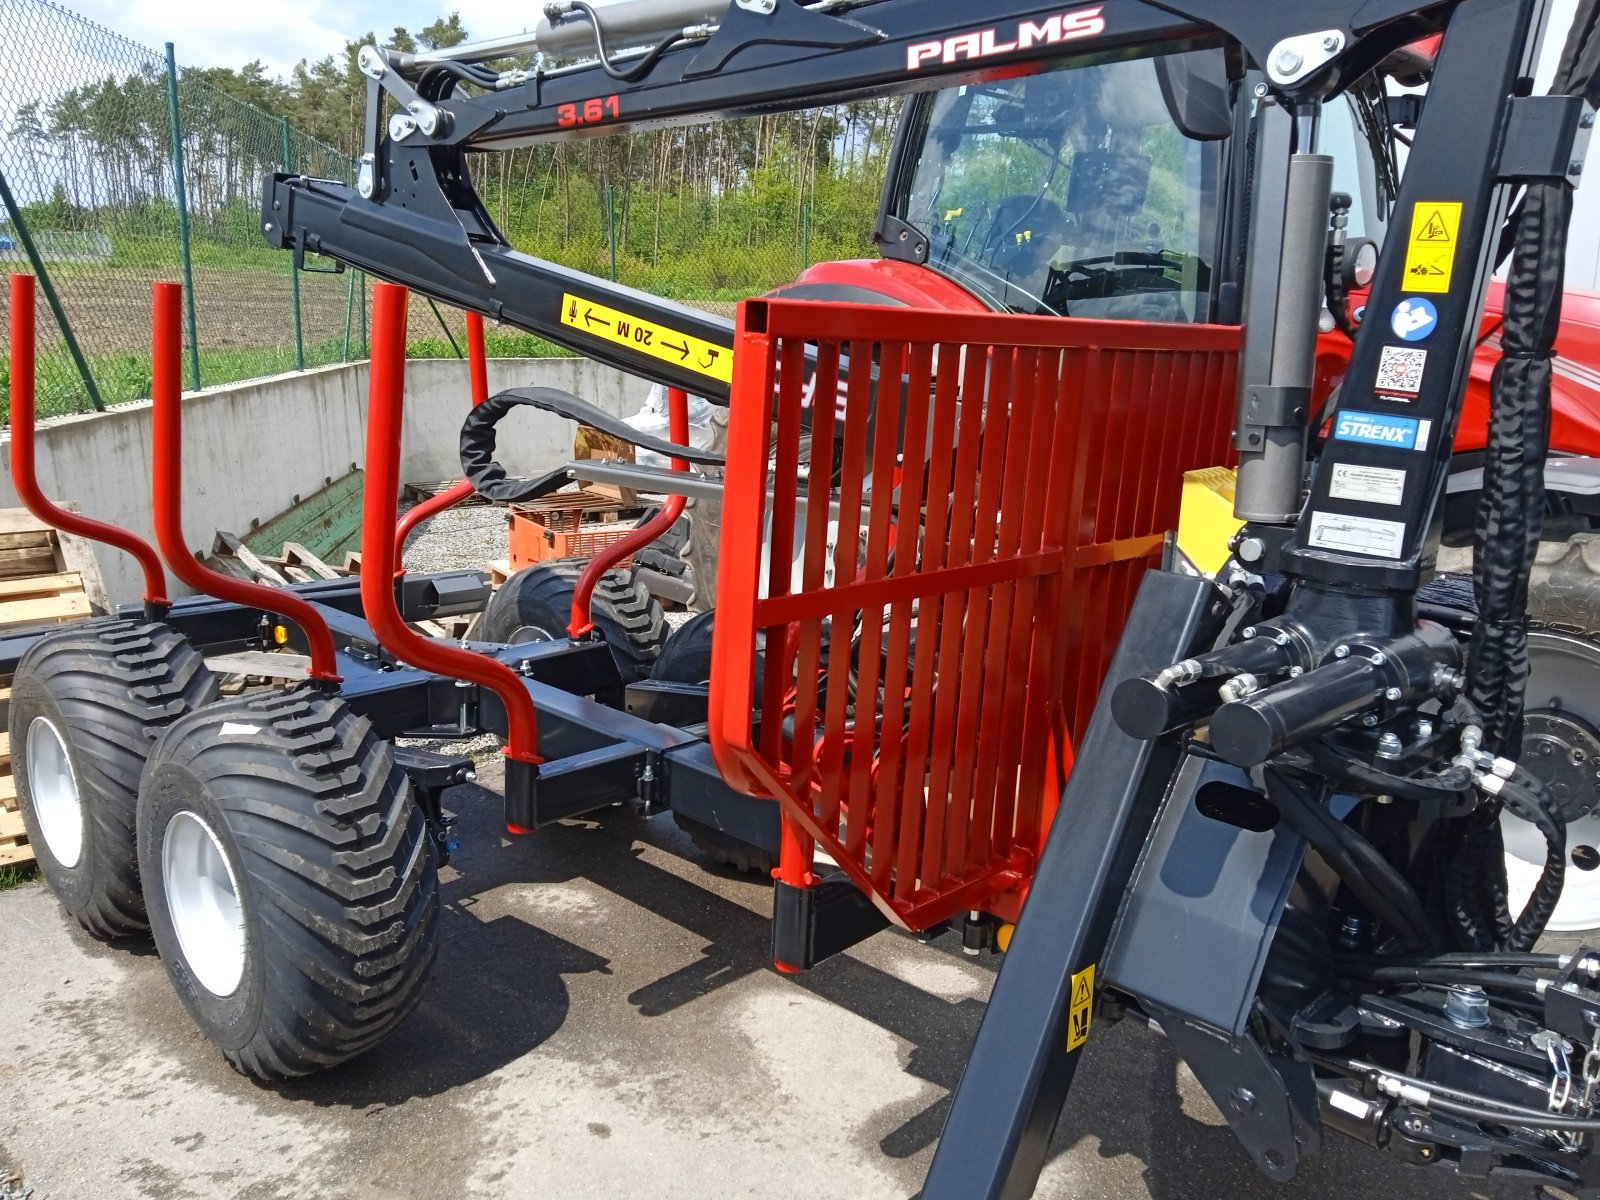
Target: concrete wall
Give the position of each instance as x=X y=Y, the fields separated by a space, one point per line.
x=252 y=450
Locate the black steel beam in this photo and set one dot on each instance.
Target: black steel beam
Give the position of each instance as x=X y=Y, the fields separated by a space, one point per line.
x=1011 y=1094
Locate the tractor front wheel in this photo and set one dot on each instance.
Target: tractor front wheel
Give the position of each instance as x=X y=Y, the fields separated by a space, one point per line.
x=535 y=605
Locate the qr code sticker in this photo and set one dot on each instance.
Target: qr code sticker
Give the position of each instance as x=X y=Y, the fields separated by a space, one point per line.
x=1400 y=370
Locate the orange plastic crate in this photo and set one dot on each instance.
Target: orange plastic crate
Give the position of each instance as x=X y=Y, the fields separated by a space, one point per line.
x=555 y=527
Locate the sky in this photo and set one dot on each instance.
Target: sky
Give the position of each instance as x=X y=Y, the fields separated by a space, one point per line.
x=229 y=33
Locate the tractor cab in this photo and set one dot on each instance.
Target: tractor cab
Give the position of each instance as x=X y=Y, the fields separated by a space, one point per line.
x=1109 y=191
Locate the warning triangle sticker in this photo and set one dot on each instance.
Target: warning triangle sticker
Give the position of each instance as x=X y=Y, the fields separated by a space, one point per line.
x=1082 y=991
x=1434 y=231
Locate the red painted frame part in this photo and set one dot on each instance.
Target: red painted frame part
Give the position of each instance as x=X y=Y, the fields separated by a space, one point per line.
x=478 y=364
x=978 y=635
x=23 y=476
x=166 y=427
x=624 y=547
x=385 y=419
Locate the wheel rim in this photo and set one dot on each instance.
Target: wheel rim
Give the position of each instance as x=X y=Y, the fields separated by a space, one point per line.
x=203 y=898
x=1563 y=683
x=530 y=633
x=53 y=785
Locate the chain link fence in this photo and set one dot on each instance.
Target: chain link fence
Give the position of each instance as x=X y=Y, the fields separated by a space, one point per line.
x=121 y=170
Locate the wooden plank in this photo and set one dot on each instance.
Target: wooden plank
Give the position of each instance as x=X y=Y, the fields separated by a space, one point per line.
x=11 y=825
x=264 y=572
x=72 y=606
x=5 y=742
x=298 y=555
x=40 y=585
x=499 y=571
x=20 y=520
x=28 y=560
x=264 y=663
x=8 y=789
x=31 y=538
x=16 y=854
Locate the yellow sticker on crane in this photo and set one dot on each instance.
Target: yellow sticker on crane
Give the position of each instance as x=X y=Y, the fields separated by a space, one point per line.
x=1081 y=1009
x=648 y=337
x=1431 y=249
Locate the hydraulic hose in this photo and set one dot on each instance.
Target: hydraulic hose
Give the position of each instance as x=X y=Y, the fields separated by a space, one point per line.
x=1371 y=877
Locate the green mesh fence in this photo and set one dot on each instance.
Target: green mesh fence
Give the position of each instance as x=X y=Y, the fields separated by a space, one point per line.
x=89 y=159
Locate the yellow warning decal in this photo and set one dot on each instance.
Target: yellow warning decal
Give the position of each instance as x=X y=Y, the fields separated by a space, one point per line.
x=1081 y=1010
x=646 y=337
x=1431 y=250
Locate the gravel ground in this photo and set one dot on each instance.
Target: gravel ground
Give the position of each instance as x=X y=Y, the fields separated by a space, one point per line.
x=459 y=539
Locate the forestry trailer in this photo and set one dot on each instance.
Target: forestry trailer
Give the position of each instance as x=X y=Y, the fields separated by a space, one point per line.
x=958 y=672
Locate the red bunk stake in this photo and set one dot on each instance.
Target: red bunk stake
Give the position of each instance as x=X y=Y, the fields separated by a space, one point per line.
x=26 y=481
x=583 y=594
x=385 y=414
x=478 y=363
x=166 y=424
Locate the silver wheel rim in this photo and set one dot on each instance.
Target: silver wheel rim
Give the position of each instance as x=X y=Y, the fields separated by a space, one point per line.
x=1563 y=675
x=203 y=898
x=53 y=786
x=531 y=633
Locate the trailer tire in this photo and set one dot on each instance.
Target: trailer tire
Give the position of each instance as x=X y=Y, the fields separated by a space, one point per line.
x=535 y=605
x=291 y=880
x=727 y=849
x=87 y=704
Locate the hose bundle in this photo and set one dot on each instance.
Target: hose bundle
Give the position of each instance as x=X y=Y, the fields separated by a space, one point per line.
x=1509 y=521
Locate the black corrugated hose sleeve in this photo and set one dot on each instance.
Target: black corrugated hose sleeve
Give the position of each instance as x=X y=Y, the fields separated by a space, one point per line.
x=1529 y=798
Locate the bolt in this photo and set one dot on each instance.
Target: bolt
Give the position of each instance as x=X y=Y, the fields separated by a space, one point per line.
x=1296 y=672
x=1370 y=720
x=1341 y=651
x=1261 y=90
x=1248 y=633
x=1281 y=640
x=1423 y=728
x=471 y=777
x=1288 y=61
x=1331 y=42
x=1243 y=1101
x=266 y=227
x=1375 y=658
x=1251 y=549
x=1392 y=694
x=1575 y=167
x=1389 y=746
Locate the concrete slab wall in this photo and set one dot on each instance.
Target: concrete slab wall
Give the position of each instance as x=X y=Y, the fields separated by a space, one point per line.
x=252 y=450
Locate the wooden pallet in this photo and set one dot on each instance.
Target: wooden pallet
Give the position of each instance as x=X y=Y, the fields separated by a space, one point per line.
x=46 y=578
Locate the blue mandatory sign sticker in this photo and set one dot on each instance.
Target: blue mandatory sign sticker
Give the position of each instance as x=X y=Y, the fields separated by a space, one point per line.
x=1376 y=429
x=1414 y=319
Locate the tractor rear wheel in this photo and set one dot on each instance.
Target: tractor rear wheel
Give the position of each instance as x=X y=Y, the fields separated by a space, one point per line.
x=1561 y=745
x=535 y=605
x=87 y=704
x=291 y=880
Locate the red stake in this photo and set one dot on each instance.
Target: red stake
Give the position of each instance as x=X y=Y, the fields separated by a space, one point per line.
x=385 y=415
x=478 y=363
x=166 y=427
x=583 y=594
x=23 y=475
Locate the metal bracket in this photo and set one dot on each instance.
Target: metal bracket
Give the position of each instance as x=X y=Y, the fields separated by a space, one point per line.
x=1546 y=138
x=1294 y=58
x=1269 y=407
x=419 y=114
x=1252 y=1090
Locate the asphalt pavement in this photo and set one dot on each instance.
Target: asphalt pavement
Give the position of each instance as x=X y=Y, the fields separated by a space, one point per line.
x=602 y=1024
